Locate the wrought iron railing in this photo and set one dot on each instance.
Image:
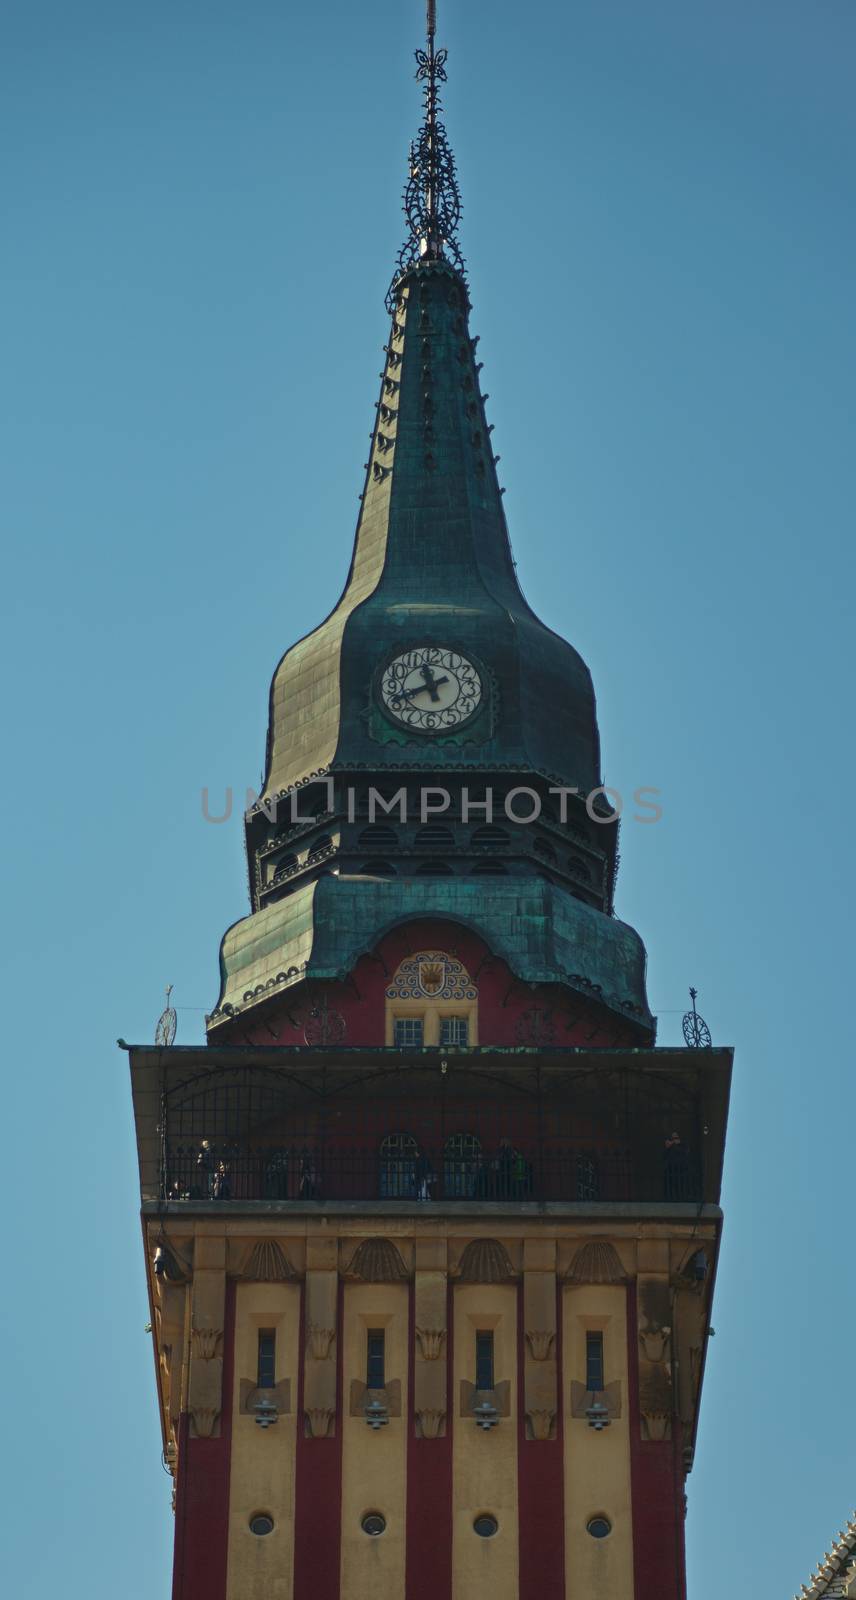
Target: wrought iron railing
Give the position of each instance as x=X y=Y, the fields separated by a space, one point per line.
x=208 y=1170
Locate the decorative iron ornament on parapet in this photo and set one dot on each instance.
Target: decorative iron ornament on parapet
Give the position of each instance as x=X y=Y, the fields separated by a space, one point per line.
x=167 y=1022
x=432 y=200
x=696 y=1030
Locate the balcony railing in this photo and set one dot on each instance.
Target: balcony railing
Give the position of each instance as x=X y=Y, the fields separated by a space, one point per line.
x=208 y=1170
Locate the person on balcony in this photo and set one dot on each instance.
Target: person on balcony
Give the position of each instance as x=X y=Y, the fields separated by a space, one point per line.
x=308 y=1178
x=676 y=1169
x=205 y=1167
x=423 y=1176
x=505 y=1170
x=221 y=1187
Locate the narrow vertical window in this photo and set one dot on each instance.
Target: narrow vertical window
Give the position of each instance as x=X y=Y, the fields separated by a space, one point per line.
x=484 y=1360
x=376 y=1359
x=594 y=1362
x=267 y=1359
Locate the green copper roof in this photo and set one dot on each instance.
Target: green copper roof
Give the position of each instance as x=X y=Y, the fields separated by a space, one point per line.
x=432 y=564
x=544 y=934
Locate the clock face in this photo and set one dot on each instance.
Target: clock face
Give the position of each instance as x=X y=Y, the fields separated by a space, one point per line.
x=431 y=689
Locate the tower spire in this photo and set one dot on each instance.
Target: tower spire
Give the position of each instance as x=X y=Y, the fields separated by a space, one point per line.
x=432 y=201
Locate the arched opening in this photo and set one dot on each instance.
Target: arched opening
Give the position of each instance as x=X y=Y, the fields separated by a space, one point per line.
x=461 y=1166
x=545 y=850
x=377 y=869
x=434 y=869
x=378 y=837
x=434 y=836
x=489 y=837
x=492 y=869
x=400 y=1167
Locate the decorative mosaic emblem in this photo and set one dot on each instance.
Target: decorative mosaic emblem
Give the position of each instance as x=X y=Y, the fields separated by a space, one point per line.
x=433 y=974
x=323 y=1025
x=536 y=1027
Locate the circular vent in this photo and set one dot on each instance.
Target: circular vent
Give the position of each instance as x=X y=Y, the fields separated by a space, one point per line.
x=599 y=1527
x=485 y=1526
x=373 y=1524
x=261 y=1523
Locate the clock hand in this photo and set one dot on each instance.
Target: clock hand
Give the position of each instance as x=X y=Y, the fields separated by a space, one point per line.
x=407 y=694
x=431 y=683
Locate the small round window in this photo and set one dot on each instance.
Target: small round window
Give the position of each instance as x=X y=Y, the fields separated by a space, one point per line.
x=261 y=1523
x=485 y=1526
x=599 y=1527
x=373 y=1524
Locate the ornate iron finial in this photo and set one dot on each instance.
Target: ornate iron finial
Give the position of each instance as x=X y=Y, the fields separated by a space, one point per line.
x=432 y=202
x=696 y=1030
x=167 y=1022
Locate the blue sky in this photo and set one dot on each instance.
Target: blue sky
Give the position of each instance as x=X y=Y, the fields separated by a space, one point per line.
x=201 y=214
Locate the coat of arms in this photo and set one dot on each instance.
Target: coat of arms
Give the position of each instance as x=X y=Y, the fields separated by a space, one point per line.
x=432 y=975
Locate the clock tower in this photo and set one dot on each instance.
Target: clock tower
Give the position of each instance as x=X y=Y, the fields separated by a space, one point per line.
x=431 y=1223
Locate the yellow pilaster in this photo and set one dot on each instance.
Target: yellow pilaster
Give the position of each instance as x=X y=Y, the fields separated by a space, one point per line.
x=374 y=1461
x=484 y=1462
x=597 y=1464
x=262 y=1469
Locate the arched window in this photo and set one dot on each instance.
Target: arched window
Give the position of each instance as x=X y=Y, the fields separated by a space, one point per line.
x=320 y=845
x=378 y=837
x=461 y=1166
x=544 y=849
x=377 y=869
x=434 y=836
x=434 y=869
x=399 y=1154
x=493 y=869
x=578 y=868
x=284 y=866
x=489 y=837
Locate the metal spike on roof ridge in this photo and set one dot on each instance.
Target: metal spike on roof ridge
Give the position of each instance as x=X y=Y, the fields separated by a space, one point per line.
x=842 y=1553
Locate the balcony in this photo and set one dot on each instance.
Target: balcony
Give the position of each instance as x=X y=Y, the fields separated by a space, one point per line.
x=306 y=1127
x=427 y=1172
